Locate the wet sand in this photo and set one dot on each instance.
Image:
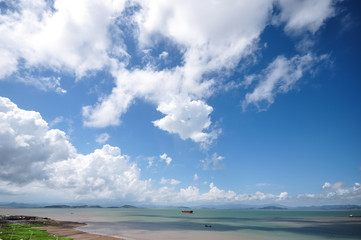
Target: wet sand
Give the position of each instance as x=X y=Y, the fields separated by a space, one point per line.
x=68 y=230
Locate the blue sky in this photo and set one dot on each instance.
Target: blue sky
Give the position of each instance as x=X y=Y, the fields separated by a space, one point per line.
x=169 y=102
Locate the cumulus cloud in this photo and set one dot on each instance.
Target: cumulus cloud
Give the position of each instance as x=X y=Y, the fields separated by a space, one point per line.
x=215 y=194
x=283 y=195
x=36 y=159
x=336 y=188
x=105 y=173
x=209 y=44
x=336 y=192
x=166 y=158
x=66 y=34
x=86 y=36
x=27 y=144
x=34 y=155
x=187 y=118
x=184 y=116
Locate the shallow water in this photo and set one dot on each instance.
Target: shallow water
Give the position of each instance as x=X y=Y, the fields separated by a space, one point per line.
x=151 y=224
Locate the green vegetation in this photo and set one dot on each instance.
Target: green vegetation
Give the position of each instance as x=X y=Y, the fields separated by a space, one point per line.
x=25 y=232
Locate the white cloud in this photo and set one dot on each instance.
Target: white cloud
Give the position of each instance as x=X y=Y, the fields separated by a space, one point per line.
x=206 y=29
x=163 y=55
x=195 y=177
x=169 y=181
x=150 y=161
x=337 y=193
x=79 y=38
x=187 y=118
x=336 y=186
x=305 y=15
x=279 y=77
x=155 y=161
x=8 y=63
x=56 y=121
x=215 y=195
x=166 y=158
x=102 y=138
x=108 y=111
x=183 y=116
x=42 y=83
x=326 y=185
x=105 y=173
x=190 y=194
x=213 y=163
x=27 y=144
x=283 y=195
x=85 y=37
x=36 y=159
x=210 y=42
x=163 y=180
x=70 y=35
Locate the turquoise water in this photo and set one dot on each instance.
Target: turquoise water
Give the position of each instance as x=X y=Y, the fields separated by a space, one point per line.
x=150 y=224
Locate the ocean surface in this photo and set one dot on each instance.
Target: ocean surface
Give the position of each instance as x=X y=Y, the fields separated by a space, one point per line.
x=210 y=224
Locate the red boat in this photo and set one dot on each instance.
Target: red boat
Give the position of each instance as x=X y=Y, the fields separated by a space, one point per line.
x=187 y=211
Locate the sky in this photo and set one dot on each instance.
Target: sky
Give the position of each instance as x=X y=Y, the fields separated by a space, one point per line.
x=167 y=103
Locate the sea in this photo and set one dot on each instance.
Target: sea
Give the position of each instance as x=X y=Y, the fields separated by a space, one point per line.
x=210 y=224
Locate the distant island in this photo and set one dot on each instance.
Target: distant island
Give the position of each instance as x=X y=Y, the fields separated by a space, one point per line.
x=332 y=207
x=231 y=206
x=68 y=206
x=86 y=206
x=128 y=206
x=273 y=208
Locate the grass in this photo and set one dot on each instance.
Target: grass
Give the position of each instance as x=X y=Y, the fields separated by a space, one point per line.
x=25 y=232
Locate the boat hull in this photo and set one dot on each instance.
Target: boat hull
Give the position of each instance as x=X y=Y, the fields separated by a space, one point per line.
x=187 y=211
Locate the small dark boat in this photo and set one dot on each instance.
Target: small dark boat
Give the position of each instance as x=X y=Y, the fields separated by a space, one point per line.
x=187 y=211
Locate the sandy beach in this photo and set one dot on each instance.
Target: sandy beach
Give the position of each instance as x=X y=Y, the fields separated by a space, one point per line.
x=68 y=229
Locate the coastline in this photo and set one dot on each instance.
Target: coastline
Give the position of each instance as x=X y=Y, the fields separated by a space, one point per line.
x=69 y=230
x=66 y=229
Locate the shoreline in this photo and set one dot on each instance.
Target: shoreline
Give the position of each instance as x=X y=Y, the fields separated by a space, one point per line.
x=67 y=229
